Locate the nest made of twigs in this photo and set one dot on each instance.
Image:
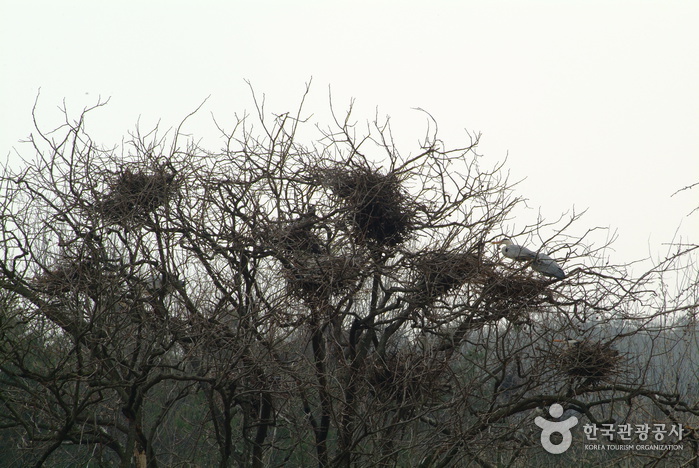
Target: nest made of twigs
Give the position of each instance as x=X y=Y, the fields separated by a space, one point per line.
x=405 y=377
x=516 y=291
x=438 y=273
x=70 y=276
x=313 y=276
x=297 y=237
x=135 y=194
x=590 y=361
x=379 y=209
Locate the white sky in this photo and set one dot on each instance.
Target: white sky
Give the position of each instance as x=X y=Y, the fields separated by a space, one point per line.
x=595 y=103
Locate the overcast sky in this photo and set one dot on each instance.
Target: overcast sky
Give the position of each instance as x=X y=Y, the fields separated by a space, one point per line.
x=594 y=103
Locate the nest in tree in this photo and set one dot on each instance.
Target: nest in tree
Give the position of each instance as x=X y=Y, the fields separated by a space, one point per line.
x=438 y=273
x=73 y=276
x=517 y=291
x=298 y=237
x=378 y=208
x=136 y=194
x=405 y=378
x=589 y=361
x=313 y=276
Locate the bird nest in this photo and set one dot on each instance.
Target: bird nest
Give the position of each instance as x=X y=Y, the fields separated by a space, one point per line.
x=517 y=291
x=319 y=276
x=405 y=378
x=136 y=194
x=297 y=237
x=67 y=277
x=380 y=211
x=590 y=361
x=438 y=273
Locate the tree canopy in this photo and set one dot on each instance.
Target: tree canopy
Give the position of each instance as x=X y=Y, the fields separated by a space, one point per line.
x=333 y=302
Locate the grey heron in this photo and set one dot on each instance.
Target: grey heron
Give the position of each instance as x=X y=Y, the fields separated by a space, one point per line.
x=540 y=262
x=570 y=343
x=164 y=282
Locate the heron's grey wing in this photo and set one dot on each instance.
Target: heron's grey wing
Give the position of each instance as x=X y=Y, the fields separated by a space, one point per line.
x=519 y=253
x=544 y=258
x=155 y=281
x=547 y=266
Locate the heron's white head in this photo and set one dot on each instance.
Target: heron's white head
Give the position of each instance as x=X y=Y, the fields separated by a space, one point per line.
x=504 y=241
x=569 y=342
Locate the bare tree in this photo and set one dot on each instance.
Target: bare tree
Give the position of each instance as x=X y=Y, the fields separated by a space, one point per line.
x=334 y=304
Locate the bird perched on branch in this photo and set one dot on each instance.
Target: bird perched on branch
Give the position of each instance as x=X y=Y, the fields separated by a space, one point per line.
x=570 y=343
x=164 y=282
x=539 y=261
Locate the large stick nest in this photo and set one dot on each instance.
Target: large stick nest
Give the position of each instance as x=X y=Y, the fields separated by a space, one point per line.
x=378 y=208
x=297 y=237
x=438 y=273
x=516 y=292
x=590 y=361
x=311 y=272
x=78 y=275
x=134 y=195
x=319 y=276
x=405 y=378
